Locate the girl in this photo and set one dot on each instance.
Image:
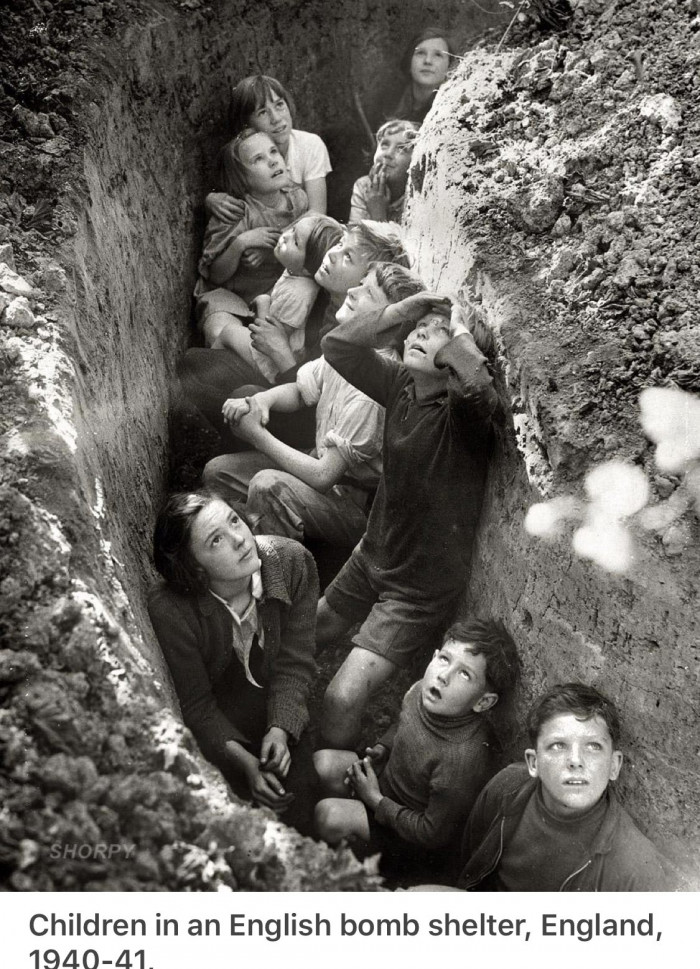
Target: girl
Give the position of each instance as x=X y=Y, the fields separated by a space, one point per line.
x=300 y=249
x=251 y=166
x=262 y=103
x=235 y=618
x=426 y=62
x=381 y=194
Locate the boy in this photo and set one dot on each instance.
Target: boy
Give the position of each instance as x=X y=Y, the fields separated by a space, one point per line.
x=381 y=194
x=561 y=828
x=405 y=577
x=322 y=495
x=431 y=765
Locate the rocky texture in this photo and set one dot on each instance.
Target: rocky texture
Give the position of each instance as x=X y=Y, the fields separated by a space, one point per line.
x=564 y=166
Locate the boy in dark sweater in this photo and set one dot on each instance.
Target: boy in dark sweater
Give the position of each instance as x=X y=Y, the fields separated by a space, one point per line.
x=411 y=794
x=405 y=577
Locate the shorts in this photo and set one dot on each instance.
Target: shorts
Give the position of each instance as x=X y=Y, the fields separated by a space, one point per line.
x=398 y=629
x=401 y=861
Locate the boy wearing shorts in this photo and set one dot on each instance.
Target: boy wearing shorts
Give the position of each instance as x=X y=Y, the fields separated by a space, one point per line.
x=404 y=578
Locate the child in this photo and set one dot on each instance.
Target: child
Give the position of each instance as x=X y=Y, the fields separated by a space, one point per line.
x=405 y=577
x=554 y=823
x=262 y=103
x=322 y=495
x=251 y=166
x=381 y=194
x=301 y=249
x=432 y=765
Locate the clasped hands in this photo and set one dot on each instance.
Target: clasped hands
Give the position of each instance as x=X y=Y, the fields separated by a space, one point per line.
x=361 y=776
x=246 y=416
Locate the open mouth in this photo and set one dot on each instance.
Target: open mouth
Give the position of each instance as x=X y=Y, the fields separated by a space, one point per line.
x=434 y=693
x=416 y=348
x=576 y=782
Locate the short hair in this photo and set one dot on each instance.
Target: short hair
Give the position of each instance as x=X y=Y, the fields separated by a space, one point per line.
x=427 y=33
x=380 y=241
x=398 y=126
x=490 y=638
x=479 y=329
x=251 y=94
x=577 y=698
x=231 y=170
x=172 y=554
x=396 y=282
x=325 y=234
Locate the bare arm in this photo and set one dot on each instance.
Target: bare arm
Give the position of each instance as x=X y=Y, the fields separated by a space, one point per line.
x=316 y=192
x=226 y=263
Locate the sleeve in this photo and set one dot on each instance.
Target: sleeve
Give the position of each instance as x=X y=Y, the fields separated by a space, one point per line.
x=317 y=163
x=453 y=790
x=292 y=300
x=358 y=433
x=294 y=667
x=358 y=201
x=176 y=629
x=363 y=367
x=309 y=380
x=470 y=385
x=217 y=238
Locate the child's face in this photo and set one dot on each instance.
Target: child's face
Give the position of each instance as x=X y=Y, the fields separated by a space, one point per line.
x=222 y=544
x=429 y=335
x=366 y=300
x=455 y=681
x=274 y=119
x=430 y=62
x=291 y=245
x=265 y=168
x=343 y=266
x=575 y=761
x=393 y=156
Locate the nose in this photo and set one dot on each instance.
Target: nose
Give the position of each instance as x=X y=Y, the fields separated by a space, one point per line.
x=576 y=756
x=443 y=675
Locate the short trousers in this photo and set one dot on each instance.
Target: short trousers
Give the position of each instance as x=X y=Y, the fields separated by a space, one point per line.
x=398 y=629
x=401 y=861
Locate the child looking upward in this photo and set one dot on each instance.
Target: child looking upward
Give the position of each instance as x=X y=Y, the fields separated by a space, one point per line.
x=381 y=194
x=554 y=823
x=252 y=166
x=322 y=495
x=414 y=789
x=404 y=579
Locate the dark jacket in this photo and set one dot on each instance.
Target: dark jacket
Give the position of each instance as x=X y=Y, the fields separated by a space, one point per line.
x=195 y=635
x=621 y=858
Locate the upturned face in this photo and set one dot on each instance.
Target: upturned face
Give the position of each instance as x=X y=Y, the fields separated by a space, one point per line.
x=274 y=119
x=430 y=62
x=429 y=335
x=366 y=300
x=574 y=760
x=343 y=267
x=455 y=681
x=393 y=156
x=291 y=245
x=222 y=544
x=265 y=168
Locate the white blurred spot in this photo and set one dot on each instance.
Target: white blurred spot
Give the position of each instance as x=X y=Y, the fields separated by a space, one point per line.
x=617 y=489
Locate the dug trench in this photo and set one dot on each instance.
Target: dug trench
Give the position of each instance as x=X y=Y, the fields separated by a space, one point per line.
x=118 y=151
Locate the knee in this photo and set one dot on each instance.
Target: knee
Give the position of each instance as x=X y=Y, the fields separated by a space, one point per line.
x=265 y=483
x=329 y=821
x=213 y=470
x=341 y=701
x=324 y=765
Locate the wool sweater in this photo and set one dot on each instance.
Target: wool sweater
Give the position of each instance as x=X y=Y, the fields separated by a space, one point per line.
x=436 y=768
x=195 y=635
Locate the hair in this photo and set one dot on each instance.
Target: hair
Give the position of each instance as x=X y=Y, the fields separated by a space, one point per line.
x=251 y=94
x=428 y=33
x=172 y=554
x=325 y=234
x=490 y=639
x=397 y=282
x=483 y=337
x=583 y=701
x=231 y=170
x=380 y=241
x=397 y=126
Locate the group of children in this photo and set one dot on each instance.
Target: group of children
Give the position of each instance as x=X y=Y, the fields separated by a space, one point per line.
x=298 y=311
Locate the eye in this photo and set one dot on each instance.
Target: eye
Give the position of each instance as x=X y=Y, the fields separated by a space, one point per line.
x=594 y=745
x=557 y=745
x=215 y=541
x=465 y=674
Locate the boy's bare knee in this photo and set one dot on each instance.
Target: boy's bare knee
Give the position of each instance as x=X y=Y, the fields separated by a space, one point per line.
x=211 y=474
x=323 y=764
x=329 y=821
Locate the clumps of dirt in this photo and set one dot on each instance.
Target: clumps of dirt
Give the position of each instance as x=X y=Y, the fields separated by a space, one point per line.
x=581 y=177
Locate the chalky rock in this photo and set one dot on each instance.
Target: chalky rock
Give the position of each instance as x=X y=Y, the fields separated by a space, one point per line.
x=16 y=665
x=51 y=277
x=664 y=110
x=7 y=255
x=18 y=314
x=12 y=283
x=34 y=125
x=538 y=207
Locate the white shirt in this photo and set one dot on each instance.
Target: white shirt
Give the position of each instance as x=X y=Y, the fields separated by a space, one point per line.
x=307 y=157
x=246 y=626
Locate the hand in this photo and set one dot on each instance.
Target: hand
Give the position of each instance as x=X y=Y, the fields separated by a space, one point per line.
x=378 y=195
x=259 y=408
x=413 y=308
x=363 y=781
x=264 y=237
x=269 y=337
x=274 y=752
x=252 y=258
x=267 y=789
x=378 y=756
x=235 y=408
x=248 y=428
x=225 y=207
x=458 y=321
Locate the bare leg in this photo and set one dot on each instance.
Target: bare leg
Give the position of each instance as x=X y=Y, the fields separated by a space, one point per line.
x=330 y=625
x=234 y=336
x=213 y=326
x=336 y=818
x=358 y=678
x=331 y=767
